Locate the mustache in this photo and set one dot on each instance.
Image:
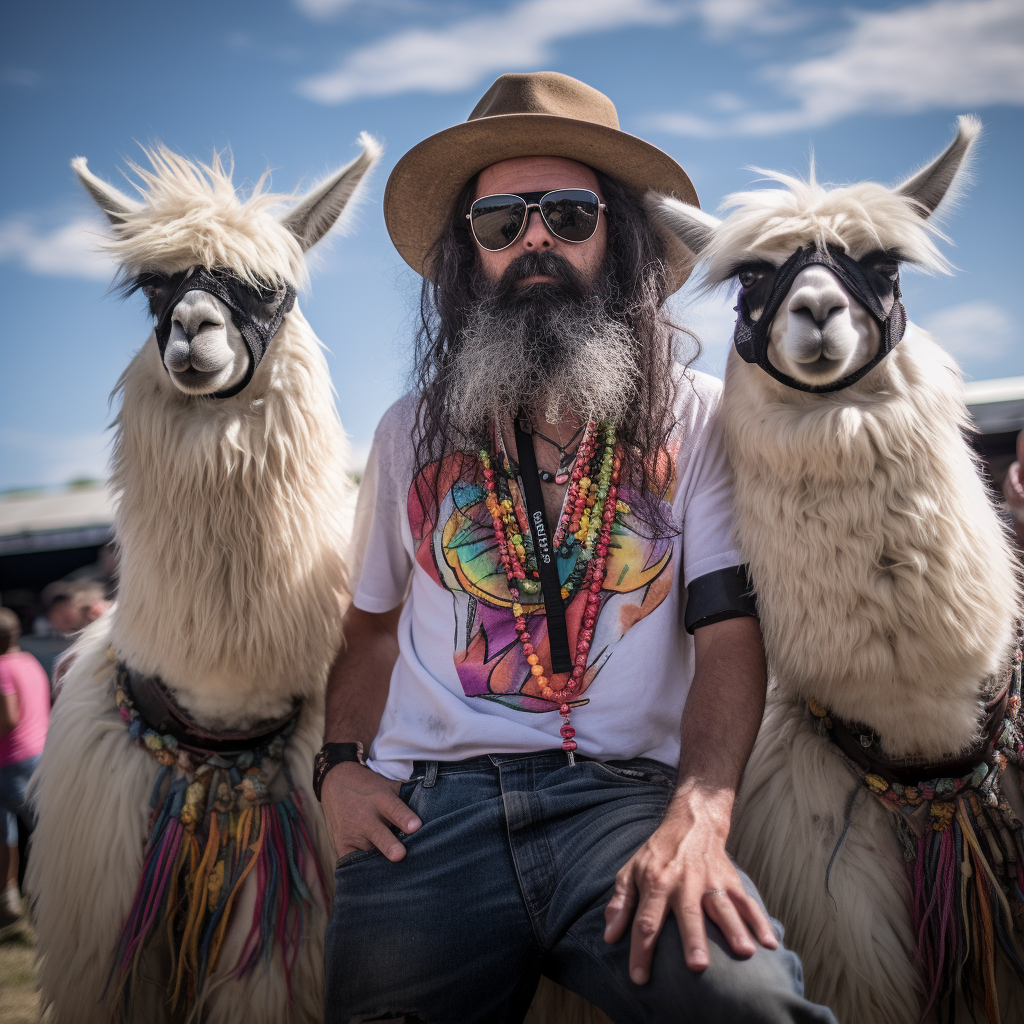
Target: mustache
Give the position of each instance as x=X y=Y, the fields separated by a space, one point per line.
x=548 y=264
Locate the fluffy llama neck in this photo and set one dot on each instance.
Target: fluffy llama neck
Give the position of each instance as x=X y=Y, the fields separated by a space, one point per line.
x=232 y=521
x=886 y=583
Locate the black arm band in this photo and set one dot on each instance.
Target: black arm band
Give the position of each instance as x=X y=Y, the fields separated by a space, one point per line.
x=723 y=594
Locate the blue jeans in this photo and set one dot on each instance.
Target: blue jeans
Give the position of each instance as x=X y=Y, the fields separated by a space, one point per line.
x=508 y=879
x=13 y=782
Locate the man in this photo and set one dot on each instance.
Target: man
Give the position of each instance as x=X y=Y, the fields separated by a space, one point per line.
x=70 y=607
x=535 y=527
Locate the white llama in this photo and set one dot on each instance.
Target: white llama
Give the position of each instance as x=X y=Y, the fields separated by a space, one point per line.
x=888 y=596
x=181 y=868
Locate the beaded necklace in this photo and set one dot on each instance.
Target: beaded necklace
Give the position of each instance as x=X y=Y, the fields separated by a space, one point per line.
x=588 y=514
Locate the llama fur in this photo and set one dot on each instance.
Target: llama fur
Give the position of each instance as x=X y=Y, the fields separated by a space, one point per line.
x=884 y=578
x=232 y=521
x=887 y=593
x=886 y=587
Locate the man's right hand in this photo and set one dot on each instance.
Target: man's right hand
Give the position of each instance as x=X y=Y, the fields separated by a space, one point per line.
x=359 y=805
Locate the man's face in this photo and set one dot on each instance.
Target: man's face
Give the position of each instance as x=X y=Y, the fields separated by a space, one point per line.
x=541 y=174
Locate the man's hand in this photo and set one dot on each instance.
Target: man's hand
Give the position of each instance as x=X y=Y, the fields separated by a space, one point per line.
x=359 y=804
x=683 y=867
x=676 y=869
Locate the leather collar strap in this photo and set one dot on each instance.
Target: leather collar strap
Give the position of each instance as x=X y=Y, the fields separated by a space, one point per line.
x=547 y=566
x=751 y=336
x=160 y=712
x=861 y=746
x=258 y=314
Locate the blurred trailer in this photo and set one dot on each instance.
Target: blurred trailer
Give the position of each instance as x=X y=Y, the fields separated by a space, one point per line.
x=43 y=537
x=997 y=412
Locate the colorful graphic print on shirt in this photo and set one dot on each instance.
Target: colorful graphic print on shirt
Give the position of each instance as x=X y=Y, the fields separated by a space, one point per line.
x=458 y=550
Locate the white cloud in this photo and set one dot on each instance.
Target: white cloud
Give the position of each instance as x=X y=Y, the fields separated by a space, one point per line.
x=459 y=55
x=321 y=10
x=67 y=251
x=724 y=18
x=944 y=55
x=978 y=330
x=456 y=57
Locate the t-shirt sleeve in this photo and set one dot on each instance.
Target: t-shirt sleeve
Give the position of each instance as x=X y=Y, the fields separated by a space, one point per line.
x=708 y=543
x=382 y=565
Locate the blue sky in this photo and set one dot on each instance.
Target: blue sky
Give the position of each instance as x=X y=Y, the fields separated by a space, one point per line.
x=871 y=87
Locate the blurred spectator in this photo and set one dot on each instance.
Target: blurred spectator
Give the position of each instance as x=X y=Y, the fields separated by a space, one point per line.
x=24 y=717
x=67 y=607
x=1013 y=491
x=71 y=606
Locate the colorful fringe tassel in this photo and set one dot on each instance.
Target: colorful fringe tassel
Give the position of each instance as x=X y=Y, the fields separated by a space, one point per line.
x=967 y=904
x=212 y=825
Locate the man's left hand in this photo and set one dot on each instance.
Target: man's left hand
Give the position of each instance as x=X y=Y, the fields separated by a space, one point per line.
x=684 y=868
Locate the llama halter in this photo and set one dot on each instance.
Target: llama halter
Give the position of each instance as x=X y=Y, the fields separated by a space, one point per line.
x=751 y=336
x=258 y=314
x=213 y=822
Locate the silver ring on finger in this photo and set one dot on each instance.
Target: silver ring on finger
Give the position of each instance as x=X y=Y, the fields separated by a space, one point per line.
x=716 y=892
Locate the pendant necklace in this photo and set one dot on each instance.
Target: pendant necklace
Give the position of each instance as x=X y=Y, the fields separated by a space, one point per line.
x=566 y=459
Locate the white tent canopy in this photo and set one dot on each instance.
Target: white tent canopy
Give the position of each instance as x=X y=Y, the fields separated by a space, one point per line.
x=997 y=406
x=52 y=522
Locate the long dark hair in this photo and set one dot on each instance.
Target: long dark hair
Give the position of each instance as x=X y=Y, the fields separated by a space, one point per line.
x=635 y=286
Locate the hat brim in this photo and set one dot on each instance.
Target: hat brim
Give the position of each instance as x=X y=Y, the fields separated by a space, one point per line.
x=426 y=181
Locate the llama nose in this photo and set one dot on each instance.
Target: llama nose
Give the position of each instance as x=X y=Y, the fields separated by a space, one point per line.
x=819 y=303
x=203 y=321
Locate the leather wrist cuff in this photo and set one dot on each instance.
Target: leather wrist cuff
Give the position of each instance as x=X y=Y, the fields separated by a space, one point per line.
x=331 y=754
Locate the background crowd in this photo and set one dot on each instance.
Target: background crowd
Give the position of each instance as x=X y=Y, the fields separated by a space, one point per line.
x=34 y=653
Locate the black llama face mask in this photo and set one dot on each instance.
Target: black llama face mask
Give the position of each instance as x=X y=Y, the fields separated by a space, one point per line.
x=256 y=312
x=880 y=296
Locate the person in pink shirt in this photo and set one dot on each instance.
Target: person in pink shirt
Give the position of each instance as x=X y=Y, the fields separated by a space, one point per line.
x=24 y=717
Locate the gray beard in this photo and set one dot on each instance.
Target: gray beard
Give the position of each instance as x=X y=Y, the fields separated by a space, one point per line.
x=546 y=353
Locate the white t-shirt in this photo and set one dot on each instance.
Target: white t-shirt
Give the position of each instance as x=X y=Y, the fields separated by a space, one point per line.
x=461 y=685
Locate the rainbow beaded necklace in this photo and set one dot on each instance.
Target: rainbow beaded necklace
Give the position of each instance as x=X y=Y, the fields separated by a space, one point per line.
x=588 y=514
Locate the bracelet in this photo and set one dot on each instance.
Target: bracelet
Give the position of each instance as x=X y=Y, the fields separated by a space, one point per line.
x=331 y=754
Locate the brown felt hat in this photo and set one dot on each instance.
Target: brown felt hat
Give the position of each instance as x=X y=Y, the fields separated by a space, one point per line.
x=539 y=114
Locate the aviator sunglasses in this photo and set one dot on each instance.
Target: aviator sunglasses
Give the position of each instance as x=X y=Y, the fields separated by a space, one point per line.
x=570 y=214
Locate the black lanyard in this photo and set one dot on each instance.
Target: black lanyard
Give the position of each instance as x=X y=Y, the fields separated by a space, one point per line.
x=551 y=586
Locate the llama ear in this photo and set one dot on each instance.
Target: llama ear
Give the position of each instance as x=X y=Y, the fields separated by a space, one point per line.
x=929 y=186
x=114 y=204
x=317 y=211
x=689 y=224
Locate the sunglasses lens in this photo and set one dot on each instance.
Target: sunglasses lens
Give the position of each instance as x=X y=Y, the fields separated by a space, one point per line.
x=497 y=220
x=571 y=213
